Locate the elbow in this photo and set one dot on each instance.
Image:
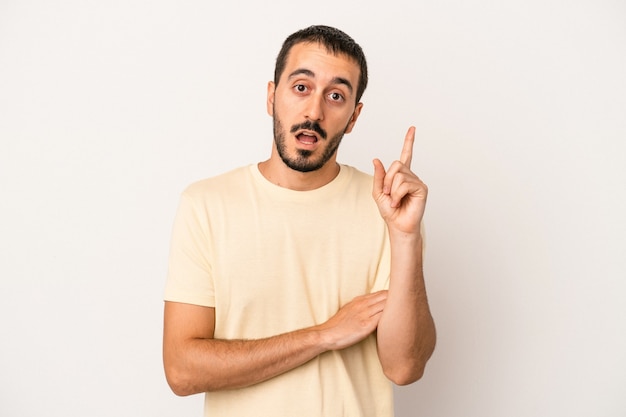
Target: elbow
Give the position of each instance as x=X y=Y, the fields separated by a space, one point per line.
x=409 y=370
x=178 y=383
x=405 y=375
x=183 y=382
x=180 y=390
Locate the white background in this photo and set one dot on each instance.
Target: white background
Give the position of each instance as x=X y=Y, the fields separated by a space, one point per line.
x=108 y=109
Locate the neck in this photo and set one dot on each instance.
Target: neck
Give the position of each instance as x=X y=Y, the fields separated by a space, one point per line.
x=276 y=172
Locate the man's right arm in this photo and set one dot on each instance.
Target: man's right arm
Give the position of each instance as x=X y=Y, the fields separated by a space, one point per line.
x=196 y=362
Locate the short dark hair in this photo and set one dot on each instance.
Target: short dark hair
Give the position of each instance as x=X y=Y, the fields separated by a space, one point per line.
x=335 y=42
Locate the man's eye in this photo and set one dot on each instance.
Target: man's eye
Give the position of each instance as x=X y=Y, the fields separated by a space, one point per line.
x=336 y=96
x=300 y=88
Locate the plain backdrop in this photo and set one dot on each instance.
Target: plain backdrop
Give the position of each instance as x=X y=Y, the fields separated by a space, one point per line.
x=108 y=109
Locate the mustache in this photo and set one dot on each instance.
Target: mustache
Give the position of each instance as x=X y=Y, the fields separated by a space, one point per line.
x=310 y=125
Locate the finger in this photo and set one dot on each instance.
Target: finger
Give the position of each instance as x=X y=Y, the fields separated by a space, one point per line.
x=377 y=296
x=393 y=175
x=404 y=184
x=399 y=191
x=376 y=309
x=376 y=304
x=407 y=149
x=379 y=178
x=372 y=297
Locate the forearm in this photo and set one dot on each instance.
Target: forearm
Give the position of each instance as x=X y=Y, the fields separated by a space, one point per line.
x=200 y=365
x=196 y=362
x=406 y=331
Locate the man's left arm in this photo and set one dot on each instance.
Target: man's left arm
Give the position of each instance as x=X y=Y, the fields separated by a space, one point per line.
x=406 y=331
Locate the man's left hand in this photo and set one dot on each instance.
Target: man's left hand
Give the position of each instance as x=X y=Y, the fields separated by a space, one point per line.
x=399 y=194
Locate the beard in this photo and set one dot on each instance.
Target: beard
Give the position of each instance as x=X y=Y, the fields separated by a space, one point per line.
x=304 y=160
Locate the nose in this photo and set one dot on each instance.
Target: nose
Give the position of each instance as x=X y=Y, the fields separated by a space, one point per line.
x=315 y=107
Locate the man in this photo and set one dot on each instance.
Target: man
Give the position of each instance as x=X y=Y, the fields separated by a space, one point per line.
x=291 y=291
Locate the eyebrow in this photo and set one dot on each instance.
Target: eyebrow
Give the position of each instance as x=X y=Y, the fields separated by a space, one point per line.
x=309 y=73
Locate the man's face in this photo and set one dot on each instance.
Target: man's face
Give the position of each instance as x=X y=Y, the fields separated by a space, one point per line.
x=313 y=105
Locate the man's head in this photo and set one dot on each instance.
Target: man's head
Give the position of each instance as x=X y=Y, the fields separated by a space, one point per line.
x=320 y=76
x=334 y=41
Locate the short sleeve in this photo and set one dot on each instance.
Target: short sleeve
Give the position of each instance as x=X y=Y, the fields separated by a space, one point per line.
x=189 y=277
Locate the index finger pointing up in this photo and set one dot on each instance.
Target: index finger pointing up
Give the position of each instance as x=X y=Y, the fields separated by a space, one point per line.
x=407 y=148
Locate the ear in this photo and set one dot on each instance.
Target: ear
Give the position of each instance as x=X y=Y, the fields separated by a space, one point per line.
x=354 y=117
x=271 y=91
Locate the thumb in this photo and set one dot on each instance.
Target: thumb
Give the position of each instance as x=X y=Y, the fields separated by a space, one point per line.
x=379 y=178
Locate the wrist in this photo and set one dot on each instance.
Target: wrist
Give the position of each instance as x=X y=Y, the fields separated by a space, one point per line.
x=323 y=338
x=414 y=237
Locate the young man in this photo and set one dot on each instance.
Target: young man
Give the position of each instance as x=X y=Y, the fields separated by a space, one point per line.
x=291 y=291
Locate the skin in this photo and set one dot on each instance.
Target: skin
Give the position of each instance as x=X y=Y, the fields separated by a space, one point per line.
x=319 y=87
x=311 y=88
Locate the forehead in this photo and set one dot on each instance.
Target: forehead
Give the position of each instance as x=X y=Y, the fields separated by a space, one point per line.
x=321 y=62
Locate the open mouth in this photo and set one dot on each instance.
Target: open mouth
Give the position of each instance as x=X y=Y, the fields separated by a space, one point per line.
x=307 y=138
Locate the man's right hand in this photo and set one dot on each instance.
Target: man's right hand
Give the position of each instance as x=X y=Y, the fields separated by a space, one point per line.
x=196 y=362
x=354 y=321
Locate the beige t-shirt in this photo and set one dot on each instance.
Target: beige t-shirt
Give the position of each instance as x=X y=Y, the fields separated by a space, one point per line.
x=273 y=260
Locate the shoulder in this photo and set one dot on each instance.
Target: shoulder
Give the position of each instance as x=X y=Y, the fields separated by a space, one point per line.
x=357 y=180
x=218 y=184
x=357 y=175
